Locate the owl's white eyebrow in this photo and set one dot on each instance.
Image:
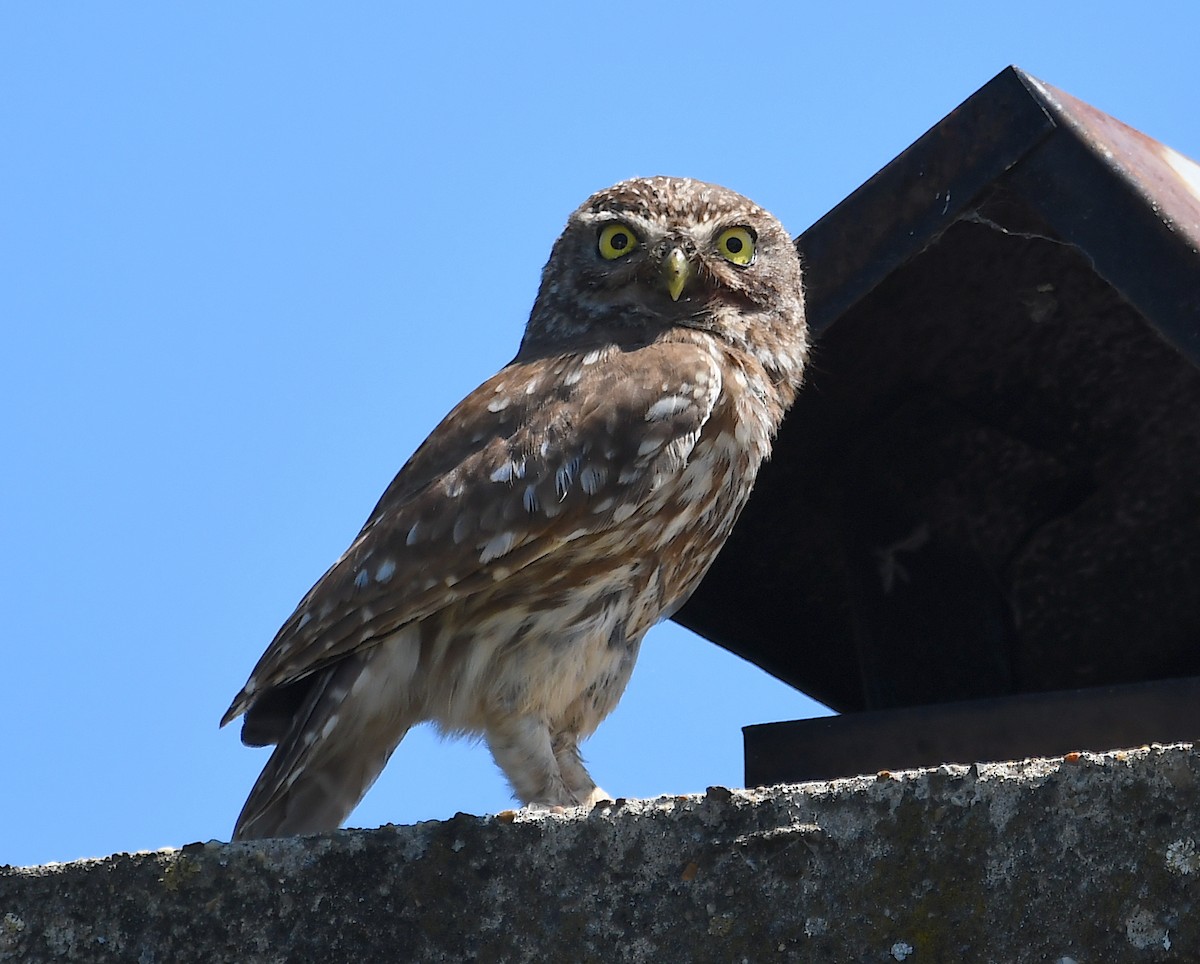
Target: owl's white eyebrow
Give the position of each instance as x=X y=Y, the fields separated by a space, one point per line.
x=612 y=217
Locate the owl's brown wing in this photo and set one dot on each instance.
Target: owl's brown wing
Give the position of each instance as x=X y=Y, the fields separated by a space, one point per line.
x=544 y=452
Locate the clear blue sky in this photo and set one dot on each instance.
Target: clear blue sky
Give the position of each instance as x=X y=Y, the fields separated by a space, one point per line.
x=251 y=253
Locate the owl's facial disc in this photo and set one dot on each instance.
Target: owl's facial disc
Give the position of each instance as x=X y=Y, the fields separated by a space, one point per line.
x=676 y=269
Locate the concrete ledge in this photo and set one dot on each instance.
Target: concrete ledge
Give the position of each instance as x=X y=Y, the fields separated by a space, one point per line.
x=1088 y=858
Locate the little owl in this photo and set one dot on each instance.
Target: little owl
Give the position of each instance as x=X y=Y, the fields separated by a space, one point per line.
x=505 y=580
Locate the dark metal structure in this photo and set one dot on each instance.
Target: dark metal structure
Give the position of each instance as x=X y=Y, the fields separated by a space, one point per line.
x=982 y=520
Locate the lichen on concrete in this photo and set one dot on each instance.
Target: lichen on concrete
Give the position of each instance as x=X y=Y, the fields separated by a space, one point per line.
x=1087 y=858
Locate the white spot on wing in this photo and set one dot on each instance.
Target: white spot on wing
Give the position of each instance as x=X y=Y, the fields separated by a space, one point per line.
x=497 y=546
x=361 y=579
x=499 y=404
x=565 y=476
x=462 y=527
x=530 y=498
x=304 y=620
x=673 y=529
x=592 y=478
x=667 y=406
x=623 y=512
x=508 y=471
x=411 y=539
x=385 y=571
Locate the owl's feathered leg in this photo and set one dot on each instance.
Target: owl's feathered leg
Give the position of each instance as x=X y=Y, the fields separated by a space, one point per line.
x=522 y=749
x=335 y=747
x=574 y=773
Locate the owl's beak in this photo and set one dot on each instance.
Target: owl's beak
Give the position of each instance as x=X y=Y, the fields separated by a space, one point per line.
x=676 y=270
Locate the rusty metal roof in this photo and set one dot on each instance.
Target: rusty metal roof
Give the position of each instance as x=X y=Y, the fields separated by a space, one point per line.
x=990 y=484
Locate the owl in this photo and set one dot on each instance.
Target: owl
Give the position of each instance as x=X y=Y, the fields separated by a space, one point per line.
x=504 y=582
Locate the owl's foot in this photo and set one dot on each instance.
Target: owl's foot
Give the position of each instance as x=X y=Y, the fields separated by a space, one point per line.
x=592 y=799
x=596 y=797
x=521 y=746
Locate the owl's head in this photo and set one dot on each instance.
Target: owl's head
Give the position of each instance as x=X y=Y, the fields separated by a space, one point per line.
x=651 y=256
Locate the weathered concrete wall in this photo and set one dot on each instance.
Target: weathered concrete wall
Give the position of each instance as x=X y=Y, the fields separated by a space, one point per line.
x=1089 y=859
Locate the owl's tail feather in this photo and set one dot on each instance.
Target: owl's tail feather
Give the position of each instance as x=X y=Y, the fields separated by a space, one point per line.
x=331 y=751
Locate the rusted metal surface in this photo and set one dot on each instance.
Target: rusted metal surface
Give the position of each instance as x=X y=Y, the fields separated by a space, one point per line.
x=1131 y=203
x=990 y=485
x=1167 y=182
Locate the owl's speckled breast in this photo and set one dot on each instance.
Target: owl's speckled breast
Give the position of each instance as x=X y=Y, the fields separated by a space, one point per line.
x=574 y=621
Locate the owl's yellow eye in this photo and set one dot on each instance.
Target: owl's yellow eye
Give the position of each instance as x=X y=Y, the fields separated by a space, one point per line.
x=736 y=245
x=616 y=241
